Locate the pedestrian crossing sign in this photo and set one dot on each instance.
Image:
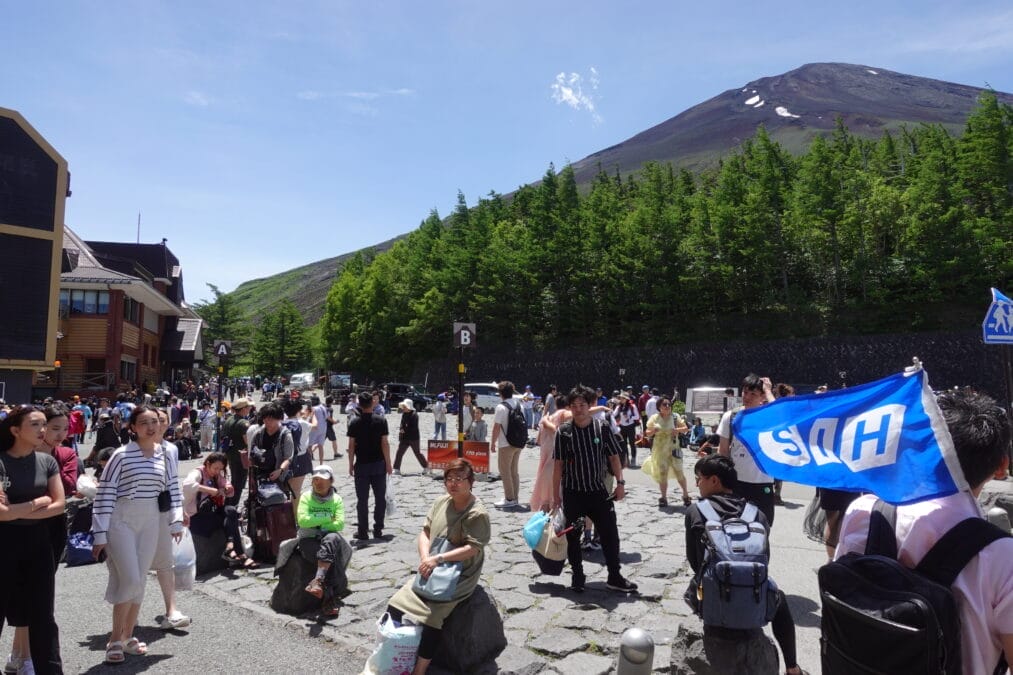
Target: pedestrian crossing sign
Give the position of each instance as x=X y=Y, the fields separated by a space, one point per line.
x=997 y=328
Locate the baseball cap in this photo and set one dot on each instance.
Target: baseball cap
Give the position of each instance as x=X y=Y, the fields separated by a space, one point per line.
x=323 y=471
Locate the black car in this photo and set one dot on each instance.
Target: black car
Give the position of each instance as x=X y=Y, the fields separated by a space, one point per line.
x=399 y=391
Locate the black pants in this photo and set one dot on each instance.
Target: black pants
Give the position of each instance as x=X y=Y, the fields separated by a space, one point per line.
x=628 y=437
x=204 y=523
x=237 y=472
x=601 y=510
x=403 y=447
x=372 y=476
x=334 y=550
x=761 y=494
x=28 y=559
x=430 y=636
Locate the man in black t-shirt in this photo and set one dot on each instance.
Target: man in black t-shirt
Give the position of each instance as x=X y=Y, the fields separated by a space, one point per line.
x=234 y=429
x=584 y=449
x=369 y=463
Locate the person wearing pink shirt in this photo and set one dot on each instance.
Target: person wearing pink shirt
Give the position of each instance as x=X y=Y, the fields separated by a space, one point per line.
x=984 y=587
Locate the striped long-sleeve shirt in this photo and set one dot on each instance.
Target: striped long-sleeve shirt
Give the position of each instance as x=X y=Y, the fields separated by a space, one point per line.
x=131 y=475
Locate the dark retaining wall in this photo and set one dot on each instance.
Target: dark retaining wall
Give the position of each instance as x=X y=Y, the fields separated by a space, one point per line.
x=951 y=359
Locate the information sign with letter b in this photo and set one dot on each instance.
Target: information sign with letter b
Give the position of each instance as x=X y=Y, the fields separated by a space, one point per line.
x=464 y=335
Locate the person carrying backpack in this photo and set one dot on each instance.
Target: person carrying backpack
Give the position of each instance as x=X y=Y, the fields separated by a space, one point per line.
x=730 y=589
x=952 y=568
x=509 y=436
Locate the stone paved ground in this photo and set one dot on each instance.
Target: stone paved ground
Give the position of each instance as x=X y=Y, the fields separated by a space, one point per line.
x=548 y=627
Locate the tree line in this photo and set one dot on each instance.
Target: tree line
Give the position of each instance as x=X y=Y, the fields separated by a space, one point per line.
x=854 y=236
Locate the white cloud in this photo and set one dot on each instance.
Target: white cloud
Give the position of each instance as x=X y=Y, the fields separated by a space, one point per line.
x=196 y=98
x=569 y=89
x=314 y=94
x=968 y=35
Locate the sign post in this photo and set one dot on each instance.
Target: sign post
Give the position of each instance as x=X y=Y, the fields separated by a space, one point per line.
x=223 y=350
x=997 y=329
x=464 y=337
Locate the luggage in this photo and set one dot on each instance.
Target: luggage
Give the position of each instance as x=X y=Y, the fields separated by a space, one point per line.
x=272 y=526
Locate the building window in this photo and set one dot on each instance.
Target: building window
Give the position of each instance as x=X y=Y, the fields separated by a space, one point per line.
x=84 y=302
x=128 y=371
x=144 y=354
x=131 y=310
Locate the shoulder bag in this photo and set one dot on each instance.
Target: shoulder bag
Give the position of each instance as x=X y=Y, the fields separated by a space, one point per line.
x=442 y=581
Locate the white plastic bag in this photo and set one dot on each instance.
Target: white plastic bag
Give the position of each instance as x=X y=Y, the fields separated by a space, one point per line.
x=396 y=652
x=391 y=501
x=247 y=546
x=87 y=486
x=184 y=561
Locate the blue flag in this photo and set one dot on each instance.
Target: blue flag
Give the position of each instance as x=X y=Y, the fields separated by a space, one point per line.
x=887 y=437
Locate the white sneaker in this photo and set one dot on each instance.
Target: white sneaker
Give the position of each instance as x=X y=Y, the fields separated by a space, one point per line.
x=397 y=472
x=505 y=503
x=177 y=620
x=26 y=668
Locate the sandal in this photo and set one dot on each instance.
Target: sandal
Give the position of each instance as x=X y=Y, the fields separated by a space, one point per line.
x=315 y=588
x=229 y=555
x=114 y=652
x=135 y=647
x=245 y=562
x=687 y=500
x=662 y=501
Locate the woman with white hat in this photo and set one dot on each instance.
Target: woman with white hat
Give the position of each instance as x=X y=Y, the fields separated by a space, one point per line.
x=408 y=436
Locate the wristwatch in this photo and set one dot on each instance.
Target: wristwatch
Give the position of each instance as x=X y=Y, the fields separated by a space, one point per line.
x=621 y=482
x=439 y=559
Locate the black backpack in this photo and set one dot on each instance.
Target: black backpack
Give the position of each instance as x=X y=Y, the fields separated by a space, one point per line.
x=881 y=617
x=517 y=426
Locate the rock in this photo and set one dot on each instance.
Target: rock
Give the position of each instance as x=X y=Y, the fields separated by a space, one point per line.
x=478 y=637
x=209 y=551
x=290 y=596
x=693 y=653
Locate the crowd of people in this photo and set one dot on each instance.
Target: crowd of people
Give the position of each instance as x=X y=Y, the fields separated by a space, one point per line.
x=586 y=441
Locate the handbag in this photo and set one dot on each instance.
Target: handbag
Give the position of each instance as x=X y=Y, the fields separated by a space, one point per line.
x=164 y=501
x=442 y=581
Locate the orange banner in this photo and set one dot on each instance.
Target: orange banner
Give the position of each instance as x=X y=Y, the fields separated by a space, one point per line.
x=441 y=453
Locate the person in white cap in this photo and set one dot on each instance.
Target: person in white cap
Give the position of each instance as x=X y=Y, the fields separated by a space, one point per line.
x=408 y=436
x=321 y=517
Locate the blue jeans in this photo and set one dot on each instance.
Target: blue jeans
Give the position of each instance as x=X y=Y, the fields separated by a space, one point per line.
x=372 y=476
x=440 y=431
x=528 y=416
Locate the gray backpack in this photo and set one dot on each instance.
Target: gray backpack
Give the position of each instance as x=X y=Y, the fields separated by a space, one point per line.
x=732 y=586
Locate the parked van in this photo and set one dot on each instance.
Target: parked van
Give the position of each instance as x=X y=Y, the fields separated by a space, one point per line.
x=486 y=394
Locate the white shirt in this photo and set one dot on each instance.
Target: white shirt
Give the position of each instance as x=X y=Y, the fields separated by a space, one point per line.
x=983 y=589
x=502 y=418
x=745 y=465
x=651 y=407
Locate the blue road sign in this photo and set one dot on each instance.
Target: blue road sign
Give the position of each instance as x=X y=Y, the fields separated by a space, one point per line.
x=997 y=328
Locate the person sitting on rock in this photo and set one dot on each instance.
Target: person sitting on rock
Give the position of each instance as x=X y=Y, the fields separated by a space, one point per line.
x=462 y=518
x=321 y=517
x=716 y=478
x=205 y=490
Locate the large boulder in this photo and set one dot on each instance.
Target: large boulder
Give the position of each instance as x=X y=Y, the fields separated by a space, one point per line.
x=298 y=566
x=472 y=637
x=209 y=551
x=693 y=653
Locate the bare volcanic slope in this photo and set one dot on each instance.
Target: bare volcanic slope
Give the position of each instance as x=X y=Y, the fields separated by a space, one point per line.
x=794 y=108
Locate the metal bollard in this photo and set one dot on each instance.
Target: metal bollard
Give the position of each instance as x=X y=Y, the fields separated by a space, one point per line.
x=998 y=517
x=636 y=653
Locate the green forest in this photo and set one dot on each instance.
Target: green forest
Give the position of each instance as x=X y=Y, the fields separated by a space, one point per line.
x=906 y=232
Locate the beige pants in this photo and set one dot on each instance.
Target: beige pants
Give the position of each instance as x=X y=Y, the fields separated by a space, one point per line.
x=509 y=460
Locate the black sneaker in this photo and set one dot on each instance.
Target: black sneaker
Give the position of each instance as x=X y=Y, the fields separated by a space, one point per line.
x=577 y=583
x=618 y=583
x=377 y=534
x=361 y=534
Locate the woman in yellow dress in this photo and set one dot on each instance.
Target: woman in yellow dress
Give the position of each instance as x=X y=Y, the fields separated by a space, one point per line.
x=664 y=428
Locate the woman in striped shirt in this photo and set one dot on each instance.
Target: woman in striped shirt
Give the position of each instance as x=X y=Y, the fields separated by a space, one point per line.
x=125 y=522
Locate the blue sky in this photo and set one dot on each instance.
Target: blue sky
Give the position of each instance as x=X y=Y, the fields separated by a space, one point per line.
x=260 y=136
